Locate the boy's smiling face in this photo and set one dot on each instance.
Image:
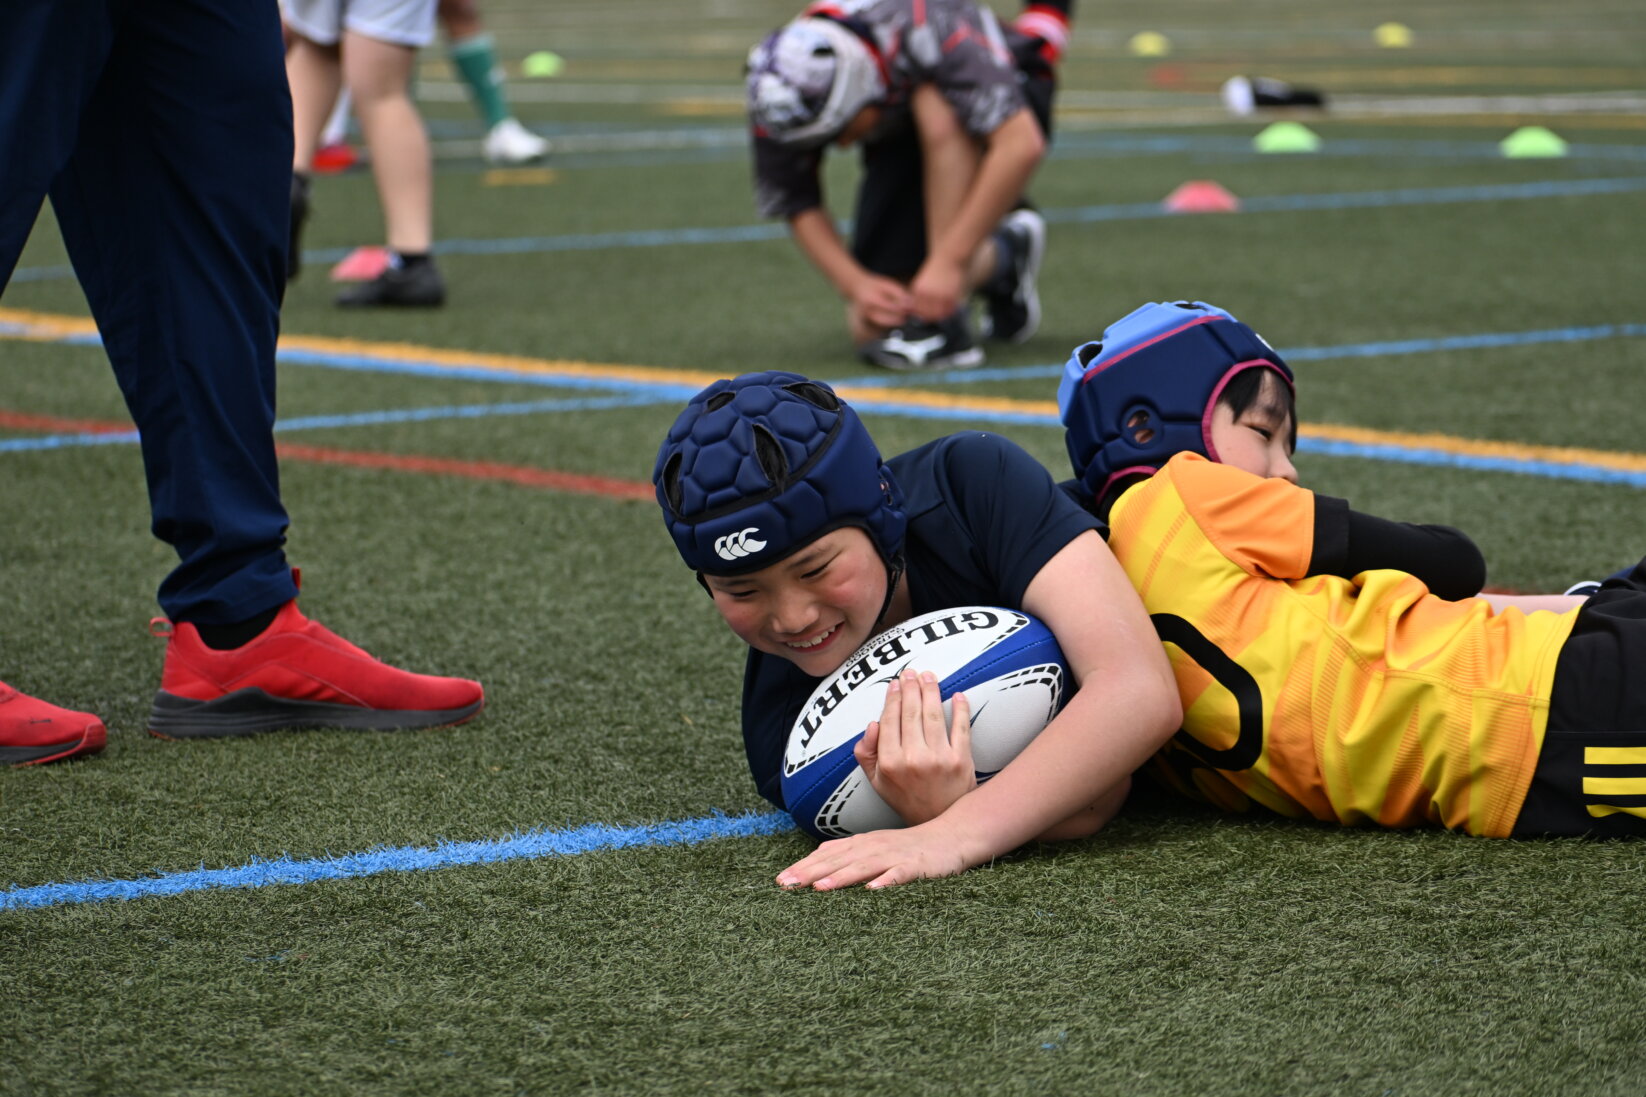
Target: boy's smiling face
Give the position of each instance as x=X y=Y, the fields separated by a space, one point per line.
x=813 y=608
x=1259 y=439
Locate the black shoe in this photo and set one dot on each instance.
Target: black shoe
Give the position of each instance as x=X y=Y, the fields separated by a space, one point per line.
x=299 y=214
x=1012 y=312
x=920 y=344
x=415 y=286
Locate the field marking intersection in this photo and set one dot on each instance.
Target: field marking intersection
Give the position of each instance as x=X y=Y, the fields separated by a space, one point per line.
x=630 y=386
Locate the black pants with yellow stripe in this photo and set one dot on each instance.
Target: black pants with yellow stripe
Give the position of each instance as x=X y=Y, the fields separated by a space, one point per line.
x=1591 y=774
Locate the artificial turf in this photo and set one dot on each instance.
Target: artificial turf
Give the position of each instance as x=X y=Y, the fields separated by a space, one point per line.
x=1178 y=952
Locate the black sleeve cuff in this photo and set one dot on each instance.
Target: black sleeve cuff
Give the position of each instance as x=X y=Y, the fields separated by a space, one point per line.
x=1348 y=543
x=1331 y=540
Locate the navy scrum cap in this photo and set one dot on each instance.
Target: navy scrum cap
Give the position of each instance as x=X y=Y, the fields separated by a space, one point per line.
x=760 y=466
x=1156 y=374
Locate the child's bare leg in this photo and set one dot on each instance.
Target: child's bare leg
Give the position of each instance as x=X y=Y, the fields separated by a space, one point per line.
x=315 y=73
x=1528 y=603
x=377 y=74
x=460 y=19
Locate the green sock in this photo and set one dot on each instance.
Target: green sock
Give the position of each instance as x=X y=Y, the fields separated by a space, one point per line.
x=476 y=61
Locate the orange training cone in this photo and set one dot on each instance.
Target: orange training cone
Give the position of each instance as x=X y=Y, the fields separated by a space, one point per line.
x=1200 y=196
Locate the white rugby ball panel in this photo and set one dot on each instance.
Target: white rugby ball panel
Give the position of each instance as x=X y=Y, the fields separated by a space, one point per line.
x=845 y=702
x=1008 y=665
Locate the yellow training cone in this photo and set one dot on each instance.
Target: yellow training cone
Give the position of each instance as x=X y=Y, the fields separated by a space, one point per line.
x=542 y=64
x=1393 y=36
x=1149 y=44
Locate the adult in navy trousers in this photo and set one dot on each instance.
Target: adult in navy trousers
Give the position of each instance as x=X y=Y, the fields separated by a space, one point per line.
x=161 y=132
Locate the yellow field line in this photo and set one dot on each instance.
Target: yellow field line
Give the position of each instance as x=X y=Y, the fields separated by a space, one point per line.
x=48 y=326
x=1445 y=443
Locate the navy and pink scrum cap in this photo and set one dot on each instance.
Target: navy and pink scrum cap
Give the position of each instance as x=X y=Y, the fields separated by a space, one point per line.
x=1145 y=392
x=758 y=467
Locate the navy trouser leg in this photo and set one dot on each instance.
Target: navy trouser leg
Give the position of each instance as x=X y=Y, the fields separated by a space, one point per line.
x=174 y=207
x=42 y=95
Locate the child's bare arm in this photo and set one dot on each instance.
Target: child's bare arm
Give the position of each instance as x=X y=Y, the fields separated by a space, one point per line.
x=1126 y=707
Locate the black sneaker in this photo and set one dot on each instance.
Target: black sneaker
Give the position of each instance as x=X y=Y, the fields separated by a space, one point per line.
x=415 y=286
x=1012 y=311
x=299 y=215
x=920 y=344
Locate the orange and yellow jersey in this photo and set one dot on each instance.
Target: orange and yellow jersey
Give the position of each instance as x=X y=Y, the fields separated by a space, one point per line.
x=1363 y=700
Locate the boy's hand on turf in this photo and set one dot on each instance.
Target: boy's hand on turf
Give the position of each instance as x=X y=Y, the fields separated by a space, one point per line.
x=916 y=764
x=879 y=859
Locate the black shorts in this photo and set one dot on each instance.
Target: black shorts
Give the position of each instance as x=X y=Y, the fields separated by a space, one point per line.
x=889 y=227
x=1591 y=773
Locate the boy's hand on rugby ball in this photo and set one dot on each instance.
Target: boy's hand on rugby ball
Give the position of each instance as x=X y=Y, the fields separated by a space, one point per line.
x=916 y=764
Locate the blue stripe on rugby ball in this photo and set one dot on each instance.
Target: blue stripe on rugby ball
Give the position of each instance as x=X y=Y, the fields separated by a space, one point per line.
x=1008 y=664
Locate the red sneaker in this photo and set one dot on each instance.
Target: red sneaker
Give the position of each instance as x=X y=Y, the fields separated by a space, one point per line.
x=331 y=159
x=31 y=731
x=297 y=674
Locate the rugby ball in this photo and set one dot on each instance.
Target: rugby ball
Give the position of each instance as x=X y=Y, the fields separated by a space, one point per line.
x=1007 y=663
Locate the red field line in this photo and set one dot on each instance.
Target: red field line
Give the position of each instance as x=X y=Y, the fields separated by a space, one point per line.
x=51 y=424
x=572 y=482
x=576 y=483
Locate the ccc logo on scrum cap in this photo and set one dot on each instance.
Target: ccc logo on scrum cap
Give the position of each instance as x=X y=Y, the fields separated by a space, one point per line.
x=735 y=546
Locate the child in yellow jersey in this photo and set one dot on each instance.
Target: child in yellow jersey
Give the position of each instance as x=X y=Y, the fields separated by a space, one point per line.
x=1333 y=665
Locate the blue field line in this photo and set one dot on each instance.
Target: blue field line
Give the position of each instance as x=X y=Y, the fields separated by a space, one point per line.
x=640 y=392
x=1387 y=348
x=411 y=367
x=375 y=418
x=526 y=846
x=720 y=144
x=592 y=241
x=1131 y=211
x=66 y=441
x=1552 y=470
x=41 y=274
x=461 y=411
x=1406 y=196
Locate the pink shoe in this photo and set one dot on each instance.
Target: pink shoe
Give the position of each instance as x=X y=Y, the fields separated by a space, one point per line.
x=361 y=265
x=31 y=731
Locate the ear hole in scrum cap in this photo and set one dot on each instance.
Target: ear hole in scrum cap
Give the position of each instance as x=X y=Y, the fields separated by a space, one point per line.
x=1142 y=425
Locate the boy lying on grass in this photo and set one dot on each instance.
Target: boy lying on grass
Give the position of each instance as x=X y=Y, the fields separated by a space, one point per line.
x=1332 y=665
x=809 y=545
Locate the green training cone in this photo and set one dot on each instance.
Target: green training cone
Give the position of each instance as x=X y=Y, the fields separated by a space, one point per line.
x=1529 y=141
x=1287 y=137
x=542 y=64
